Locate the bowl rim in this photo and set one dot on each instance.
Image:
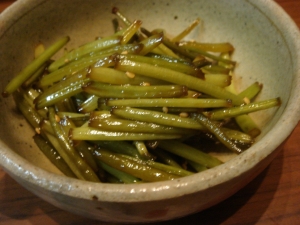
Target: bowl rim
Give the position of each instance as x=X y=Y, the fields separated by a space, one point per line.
x=17 y=166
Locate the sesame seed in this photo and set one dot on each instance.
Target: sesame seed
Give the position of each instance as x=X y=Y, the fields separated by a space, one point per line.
x=129 y=74
x=57 y=118
x=246 y=100
x=165 y=109
x=38 y=130
x=184 y=114
x=145 y=84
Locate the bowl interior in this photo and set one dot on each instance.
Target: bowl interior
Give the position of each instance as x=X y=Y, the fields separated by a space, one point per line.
x=262 y=50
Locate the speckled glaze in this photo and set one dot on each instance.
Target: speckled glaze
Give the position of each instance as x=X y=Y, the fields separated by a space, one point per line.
x=267 y=49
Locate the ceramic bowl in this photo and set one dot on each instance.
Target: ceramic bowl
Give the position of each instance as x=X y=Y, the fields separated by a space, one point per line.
x=267 y=49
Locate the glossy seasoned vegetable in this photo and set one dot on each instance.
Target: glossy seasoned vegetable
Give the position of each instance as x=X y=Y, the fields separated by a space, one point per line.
x=126 y=108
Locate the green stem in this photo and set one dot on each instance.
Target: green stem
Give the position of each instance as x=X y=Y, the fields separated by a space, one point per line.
x=165 y=157
x=171 y=102
x=151 y=43
x=237 y=136
x=128 y=91
x=121 y=147
x=64 y=89
x=190 y=153
x=208 y=47
x=215 y=69
x=170 y=63
x=186 y=31
x=157 y=118
x=30 y=114
x=122 y=125
x=112 y=76
x=198 y=167
x=89 y=48
x=221 y=80
x=82 y=65
x=52 y=154
x=218 y=133
x=251 y=91
x=124 y=177
x=160 y=166
x=76 y=163
x=142 y=149
x=139 y=170
x=92 y=134
x=177 y=78
x=89 y=105
x=27 y=72
x=244 y=109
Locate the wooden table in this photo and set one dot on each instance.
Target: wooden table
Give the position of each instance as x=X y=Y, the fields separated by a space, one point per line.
x=272 y=198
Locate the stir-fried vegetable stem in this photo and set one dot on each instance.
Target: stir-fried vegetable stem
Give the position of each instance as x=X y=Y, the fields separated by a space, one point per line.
x=123 y=108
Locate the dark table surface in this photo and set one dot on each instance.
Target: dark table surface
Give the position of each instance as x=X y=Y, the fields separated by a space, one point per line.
x=273 y=198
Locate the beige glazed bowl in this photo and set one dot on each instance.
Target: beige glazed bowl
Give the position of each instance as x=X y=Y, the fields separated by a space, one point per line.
x=267 y=47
